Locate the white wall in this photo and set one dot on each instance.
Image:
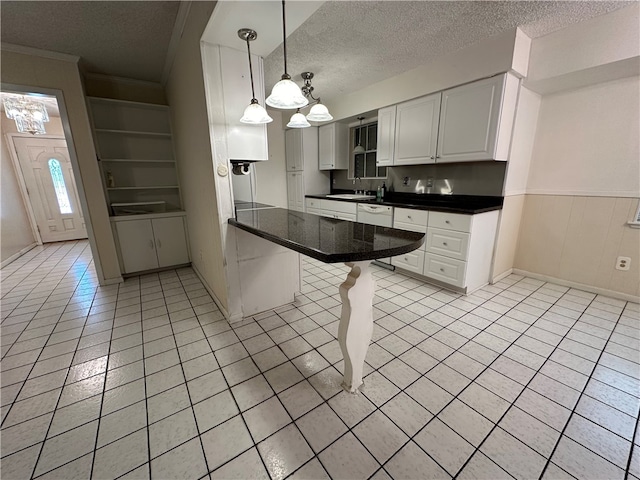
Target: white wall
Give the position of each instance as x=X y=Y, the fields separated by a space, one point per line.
x=501 y=53
x=587 y=142
x=186 y=97
x=271 y=177
x=15 y=230
x=51 y=73
x=584 y=184
x=600 y=49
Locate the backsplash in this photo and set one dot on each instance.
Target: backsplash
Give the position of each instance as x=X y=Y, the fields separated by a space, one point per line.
x=471 y=178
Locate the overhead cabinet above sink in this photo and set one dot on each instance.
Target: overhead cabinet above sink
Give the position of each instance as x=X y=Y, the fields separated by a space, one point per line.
x=472 y=122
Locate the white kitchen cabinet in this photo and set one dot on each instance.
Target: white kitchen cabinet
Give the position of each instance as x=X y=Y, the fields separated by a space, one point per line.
x=416 y=131
x=151 y=243
x=171 y=241
x=476 y=120
x=333 y=146
x=472 y=122
x=295 y=191
x=301 y=155
x=386 y=136
x=458 y=248
x=332 y=209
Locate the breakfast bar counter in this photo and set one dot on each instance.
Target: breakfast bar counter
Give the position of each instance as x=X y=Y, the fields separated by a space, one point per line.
x=331 y=240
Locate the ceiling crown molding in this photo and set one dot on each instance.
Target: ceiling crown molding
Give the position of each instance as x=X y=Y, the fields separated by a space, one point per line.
x=121 y=80
x=37 y=52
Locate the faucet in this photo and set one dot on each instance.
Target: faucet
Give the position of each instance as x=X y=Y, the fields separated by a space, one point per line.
x=356 y=186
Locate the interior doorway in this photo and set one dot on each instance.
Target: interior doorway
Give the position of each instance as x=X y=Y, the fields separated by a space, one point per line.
x=51 y=188
x=42 y=168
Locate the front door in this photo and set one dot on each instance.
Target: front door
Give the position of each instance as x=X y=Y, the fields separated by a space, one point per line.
x=51 y=187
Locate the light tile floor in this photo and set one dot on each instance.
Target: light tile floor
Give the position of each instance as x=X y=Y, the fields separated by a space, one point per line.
x=522 y=379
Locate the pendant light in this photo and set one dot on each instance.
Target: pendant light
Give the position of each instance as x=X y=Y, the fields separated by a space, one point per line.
x=298 y=120
x=286 y=94
x=359 y=148
x=319 y=112
x=254 y=114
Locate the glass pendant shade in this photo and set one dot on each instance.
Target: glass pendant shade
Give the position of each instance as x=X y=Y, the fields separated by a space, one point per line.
x=298 y=120
x=319 y=113
x=359 y=149
x=286 y=95
x=255 y=114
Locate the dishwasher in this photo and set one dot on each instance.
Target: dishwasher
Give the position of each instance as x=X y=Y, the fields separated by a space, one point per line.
x=381 y=216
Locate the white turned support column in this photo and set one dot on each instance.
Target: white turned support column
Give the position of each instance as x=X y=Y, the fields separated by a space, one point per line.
x=356 y=322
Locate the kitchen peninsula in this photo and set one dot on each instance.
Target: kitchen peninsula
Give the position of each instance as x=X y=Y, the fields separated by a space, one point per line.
x=333 y=241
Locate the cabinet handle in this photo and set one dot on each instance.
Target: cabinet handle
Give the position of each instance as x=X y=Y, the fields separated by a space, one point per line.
x=409 y=217
x=444 y=243
x=432 y=157
x=151 y=246
x=437 y=156
x=447 y=222
x=442 y=269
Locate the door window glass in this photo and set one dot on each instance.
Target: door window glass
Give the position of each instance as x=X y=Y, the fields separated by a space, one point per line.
x=59 y=186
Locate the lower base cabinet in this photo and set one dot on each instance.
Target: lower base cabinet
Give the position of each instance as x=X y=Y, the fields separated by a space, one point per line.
x=147 y=244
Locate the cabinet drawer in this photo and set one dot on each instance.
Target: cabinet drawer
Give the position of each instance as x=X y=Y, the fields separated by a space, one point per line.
x=337 y=206
x=448 y=270
x=411 y=261
x=315 y=211
x=448 y=243
x=450 y=221
x=313 y=203
x=408 y=216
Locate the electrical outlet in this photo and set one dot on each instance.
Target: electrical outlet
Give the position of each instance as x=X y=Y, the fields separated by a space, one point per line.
x=429 y=182
x=623 y=263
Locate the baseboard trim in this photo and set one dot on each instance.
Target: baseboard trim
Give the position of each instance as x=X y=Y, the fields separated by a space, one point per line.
x=501 y=276
x=16 y=256
x=111 y=281
x=216 y=300
x=581 y=286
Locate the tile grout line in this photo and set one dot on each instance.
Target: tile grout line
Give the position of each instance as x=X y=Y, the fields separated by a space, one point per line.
x=573 y=410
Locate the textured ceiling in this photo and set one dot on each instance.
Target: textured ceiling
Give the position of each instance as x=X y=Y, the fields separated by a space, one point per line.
x=353 y=44
x=125 y=39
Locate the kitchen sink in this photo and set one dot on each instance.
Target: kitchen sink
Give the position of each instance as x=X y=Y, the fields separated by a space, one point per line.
x=351 y=196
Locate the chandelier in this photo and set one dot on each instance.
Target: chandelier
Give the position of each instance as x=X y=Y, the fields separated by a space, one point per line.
x=29 y=115
x=318 y=112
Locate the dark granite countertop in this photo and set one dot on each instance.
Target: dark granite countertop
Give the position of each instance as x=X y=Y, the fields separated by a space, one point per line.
x=469 y=204
x=326 y=239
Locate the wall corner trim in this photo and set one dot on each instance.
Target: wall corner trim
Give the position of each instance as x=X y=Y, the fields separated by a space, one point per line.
x=37 y=52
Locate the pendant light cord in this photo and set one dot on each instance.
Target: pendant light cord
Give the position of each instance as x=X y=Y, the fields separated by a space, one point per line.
x=284 y=39
x=253 y=92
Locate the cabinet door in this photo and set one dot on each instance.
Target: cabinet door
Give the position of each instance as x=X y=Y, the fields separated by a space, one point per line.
x=469 y=121
x=417 y=131
x=171 y=241
x=386 y=133
x=137 y=245
x=295 y=191
x=327 y=147
x=293 y=149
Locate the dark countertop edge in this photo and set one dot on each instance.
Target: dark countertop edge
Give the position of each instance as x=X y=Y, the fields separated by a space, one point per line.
x=330 y=258
x=413 y=206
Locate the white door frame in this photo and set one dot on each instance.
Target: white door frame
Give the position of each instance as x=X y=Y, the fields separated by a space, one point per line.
x=68 y=136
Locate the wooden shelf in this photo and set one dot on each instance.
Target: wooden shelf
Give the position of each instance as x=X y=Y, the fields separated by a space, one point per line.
x=131 y=132
x=157 y=187
x=134 y=160
x=128 y=102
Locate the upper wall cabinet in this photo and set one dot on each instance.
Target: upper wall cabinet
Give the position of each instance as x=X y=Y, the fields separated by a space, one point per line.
x=333 y=146
x=468 y=123
x=417 y=131
x=386 y=135
x=476 y=120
